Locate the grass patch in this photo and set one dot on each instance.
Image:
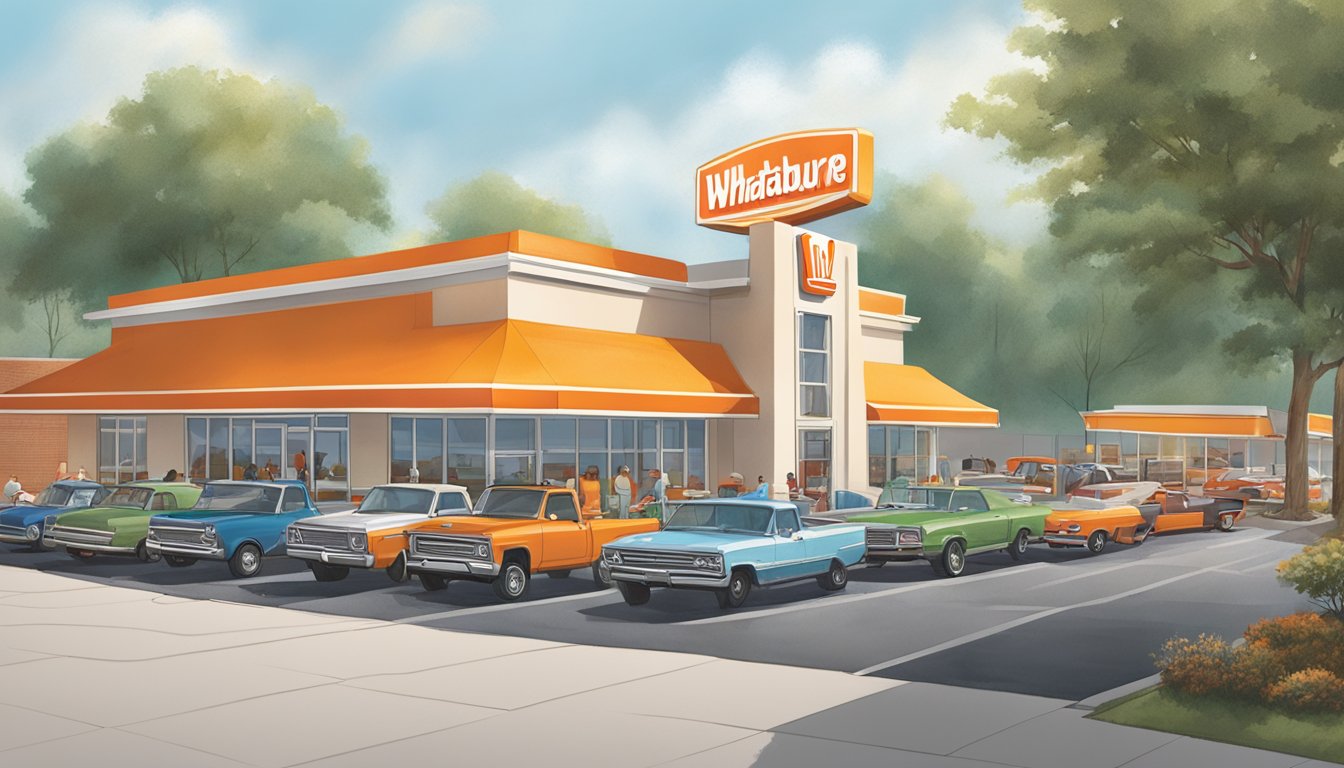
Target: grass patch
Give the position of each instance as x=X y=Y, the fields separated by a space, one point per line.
x=1319 y=736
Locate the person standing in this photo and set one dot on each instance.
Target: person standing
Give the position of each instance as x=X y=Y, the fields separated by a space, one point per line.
x=659 y=486
x=301 y=465
x=590 y=492
x=623 y=486
x=792 y=482
x=12 y=487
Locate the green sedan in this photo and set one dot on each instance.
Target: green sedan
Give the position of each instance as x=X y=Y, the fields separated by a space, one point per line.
x=946 y=524
x=119 y=523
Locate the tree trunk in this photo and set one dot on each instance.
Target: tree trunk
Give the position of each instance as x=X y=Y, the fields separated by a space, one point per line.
x=1337 y=463
x=1295 y=449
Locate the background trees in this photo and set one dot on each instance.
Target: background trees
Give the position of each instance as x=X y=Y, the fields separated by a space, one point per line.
x=495 y=202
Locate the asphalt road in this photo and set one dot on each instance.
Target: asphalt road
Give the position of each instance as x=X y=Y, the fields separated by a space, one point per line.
x=1060 y=623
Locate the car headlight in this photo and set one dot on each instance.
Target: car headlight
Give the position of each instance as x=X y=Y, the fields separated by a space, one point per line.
x=357 y=541
x=49 y=521
x=209 y=534
x=909 y=537
x=293 y=536
x=32 y=532
x=482 y=551
x=1074 y=528
x=613 y=556
x=153 y=534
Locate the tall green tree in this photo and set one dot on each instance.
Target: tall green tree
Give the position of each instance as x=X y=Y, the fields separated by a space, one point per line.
x=206 y=174
x=1207 y=131
x=494 y=202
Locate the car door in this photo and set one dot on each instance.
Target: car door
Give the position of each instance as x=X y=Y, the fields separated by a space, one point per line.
x=564 y=535
x=982 y=526
x=271 y=533
x=1176 y=514
x=791 y=547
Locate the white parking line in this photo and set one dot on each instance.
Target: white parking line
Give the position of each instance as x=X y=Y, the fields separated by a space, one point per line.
x=1263 y=533
x=827 y=603
x=502 y=607
x=1007 y=625
x=274 y=579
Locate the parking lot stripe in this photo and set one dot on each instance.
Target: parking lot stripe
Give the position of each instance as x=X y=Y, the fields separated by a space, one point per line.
x=1007 y=625
x=502 y=607
x=827 y=603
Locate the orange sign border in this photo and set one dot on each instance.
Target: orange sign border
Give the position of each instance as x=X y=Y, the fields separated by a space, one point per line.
x=811 y=208
x=808 y=281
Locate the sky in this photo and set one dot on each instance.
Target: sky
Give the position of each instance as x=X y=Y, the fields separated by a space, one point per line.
x=607 y=104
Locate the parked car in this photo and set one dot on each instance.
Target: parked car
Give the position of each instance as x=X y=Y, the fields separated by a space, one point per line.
x=946 y=524
x=374 y=534
x=1133 y=513
x=119 y=523
x=237 y=521
x=1257 y=484
x=25 y=523
x=514 y=532
x=728 y=546
x=1022 y=474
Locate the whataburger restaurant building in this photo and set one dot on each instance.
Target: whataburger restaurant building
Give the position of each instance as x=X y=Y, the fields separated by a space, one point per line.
x=520 y=357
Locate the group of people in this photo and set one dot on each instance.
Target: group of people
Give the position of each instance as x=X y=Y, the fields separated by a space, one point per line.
x=630 y=498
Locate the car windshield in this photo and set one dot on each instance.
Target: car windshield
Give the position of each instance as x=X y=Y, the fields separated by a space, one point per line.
x=388 y=501
x=255 y=499
x=55 y=496
x=127 y=496
x=509 y=502
x=935 y=498
x=735 y=518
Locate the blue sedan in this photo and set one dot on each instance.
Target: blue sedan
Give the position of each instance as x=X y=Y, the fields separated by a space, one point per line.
x=727 y=546
x=23 y=523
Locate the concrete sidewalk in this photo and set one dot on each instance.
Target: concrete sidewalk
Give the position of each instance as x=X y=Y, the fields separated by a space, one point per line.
x=104 y=676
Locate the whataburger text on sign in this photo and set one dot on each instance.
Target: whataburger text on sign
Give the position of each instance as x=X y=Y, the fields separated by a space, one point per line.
x=792 y=178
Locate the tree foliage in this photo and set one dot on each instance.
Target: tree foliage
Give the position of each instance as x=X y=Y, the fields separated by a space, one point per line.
x=206 y=174
x=494 y=202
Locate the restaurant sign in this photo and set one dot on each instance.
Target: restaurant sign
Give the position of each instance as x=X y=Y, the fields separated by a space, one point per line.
x=793 y=178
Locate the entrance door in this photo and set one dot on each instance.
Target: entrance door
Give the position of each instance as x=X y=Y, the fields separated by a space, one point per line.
x=269 y=454
x=296 y=440
x=520 y=468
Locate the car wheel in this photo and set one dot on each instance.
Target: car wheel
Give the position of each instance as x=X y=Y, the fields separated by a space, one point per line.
x=601 y=574
x=735 y=594
x=557 y=574
x=432 y=582
x=1018 y=547
x=1226 y=523
x=835 y=578
x=324 y=572
x=36 y=545
x=633 y=594
x=952 y=562
x=79 y=554
x=397 y=570
x=178 y=561
x=143 y=554
x=1096 y=542
x=246 y=561
x=512 y=582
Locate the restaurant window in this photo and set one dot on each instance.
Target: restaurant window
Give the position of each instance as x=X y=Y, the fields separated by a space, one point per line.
x=466 y=454
x=515 y=450
x=121 y=449
x=558 y=444
x=429 y=449
x=895 y=452
x=331 y=458
x=814 y=468
x=403 y=449
x=814 y=369
x=695 y=454
x=208 y=456
x=877 y=455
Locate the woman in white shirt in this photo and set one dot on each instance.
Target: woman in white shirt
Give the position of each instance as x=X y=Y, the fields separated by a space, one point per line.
x=623 y=487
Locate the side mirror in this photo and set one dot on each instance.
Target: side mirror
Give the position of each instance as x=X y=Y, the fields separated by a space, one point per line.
x=552 y=517
x=797 y=537
x=962 y=509
x=433 y=513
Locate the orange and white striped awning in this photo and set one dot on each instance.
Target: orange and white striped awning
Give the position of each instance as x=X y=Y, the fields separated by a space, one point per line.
x=908 y=394
x=1189 y=420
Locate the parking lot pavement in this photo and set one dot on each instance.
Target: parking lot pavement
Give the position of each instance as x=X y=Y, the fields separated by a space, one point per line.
x=1060 y=624
x=209 y=683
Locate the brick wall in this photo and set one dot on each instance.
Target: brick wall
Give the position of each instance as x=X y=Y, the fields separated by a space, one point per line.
x=31 y=446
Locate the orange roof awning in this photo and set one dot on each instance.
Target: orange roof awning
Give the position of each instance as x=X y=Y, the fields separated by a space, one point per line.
x=1320 y=425
x=908 y=394
x=386 y=355
x=1199 y=421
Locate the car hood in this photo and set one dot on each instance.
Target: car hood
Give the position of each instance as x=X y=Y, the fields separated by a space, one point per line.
x=901 y=516
x=207 y=517
x=97 y=518
x=698 y=541
x=481 y=525
x=352 y=521
x=24 y=515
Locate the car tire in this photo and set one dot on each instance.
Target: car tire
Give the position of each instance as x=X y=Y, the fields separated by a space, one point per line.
x=143 y=554
x=1018 y=546
x=557 y=574
x=36 y=545
x=432 y=582
x=951 y=562
x=601 y=574
x=512 y=582
x=634 y=594
x=397 y=570
x=835 y=578
x=246 y=561
x=178 y=561
x=79 y=554
x=735 y=594
x=324 y=572
x=1096 y=543
x=1226 y=523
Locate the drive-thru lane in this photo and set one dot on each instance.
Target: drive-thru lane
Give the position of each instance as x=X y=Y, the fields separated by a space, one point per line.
x=1060 y=623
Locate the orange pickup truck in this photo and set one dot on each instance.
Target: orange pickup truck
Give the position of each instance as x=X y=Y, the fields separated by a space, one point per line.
x=514 y=532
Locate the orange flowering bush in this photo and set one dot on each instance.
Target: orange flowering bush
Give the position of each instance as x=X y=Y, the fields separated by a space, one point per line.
x=1253 y=669
x=1198 y=667
x=1313 y=690
x=1301 y=641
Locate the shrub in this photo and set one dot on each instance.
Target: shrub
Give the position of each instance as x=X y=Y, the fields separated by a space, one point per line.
x=1318 y=573
x=1301 y=641
x=1251 y=672
x=1311 y=690
x=1198 y=667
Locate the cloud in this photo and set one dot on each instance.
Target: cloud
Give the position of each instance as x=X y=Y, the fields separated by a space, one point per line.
x=637 y=172
x=433 y=30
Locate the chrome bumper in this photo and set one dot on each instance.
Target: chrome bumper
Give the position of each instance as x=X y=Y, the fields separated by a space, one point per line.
x=478 y=568
x=10 y=539
x=909 y=552
x=83 y=539
x=1066 y=539
x=106 y=549
x=665 y=578
x=321 y=555
x=182 y=548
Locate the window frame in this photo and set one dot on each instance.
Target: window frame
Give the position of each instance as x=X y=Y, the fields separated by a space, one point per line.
x=825 y=352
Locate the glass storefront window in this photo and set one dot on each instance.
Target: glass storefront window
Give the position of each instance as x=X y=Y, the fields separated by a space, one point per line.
x=814 y=467
x=695 y=454
x=330 y=465
x=403 y=449
x=429 y=449
x=196 y=467
x=218 y=440
x=515 y=435
x=814 y=379
x=121 y=449
x=466 y=454
x=242 y=448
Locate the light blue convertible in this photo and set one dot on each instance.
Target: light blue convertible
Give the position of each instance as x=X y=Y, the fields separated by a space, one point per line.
x=728 y=546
